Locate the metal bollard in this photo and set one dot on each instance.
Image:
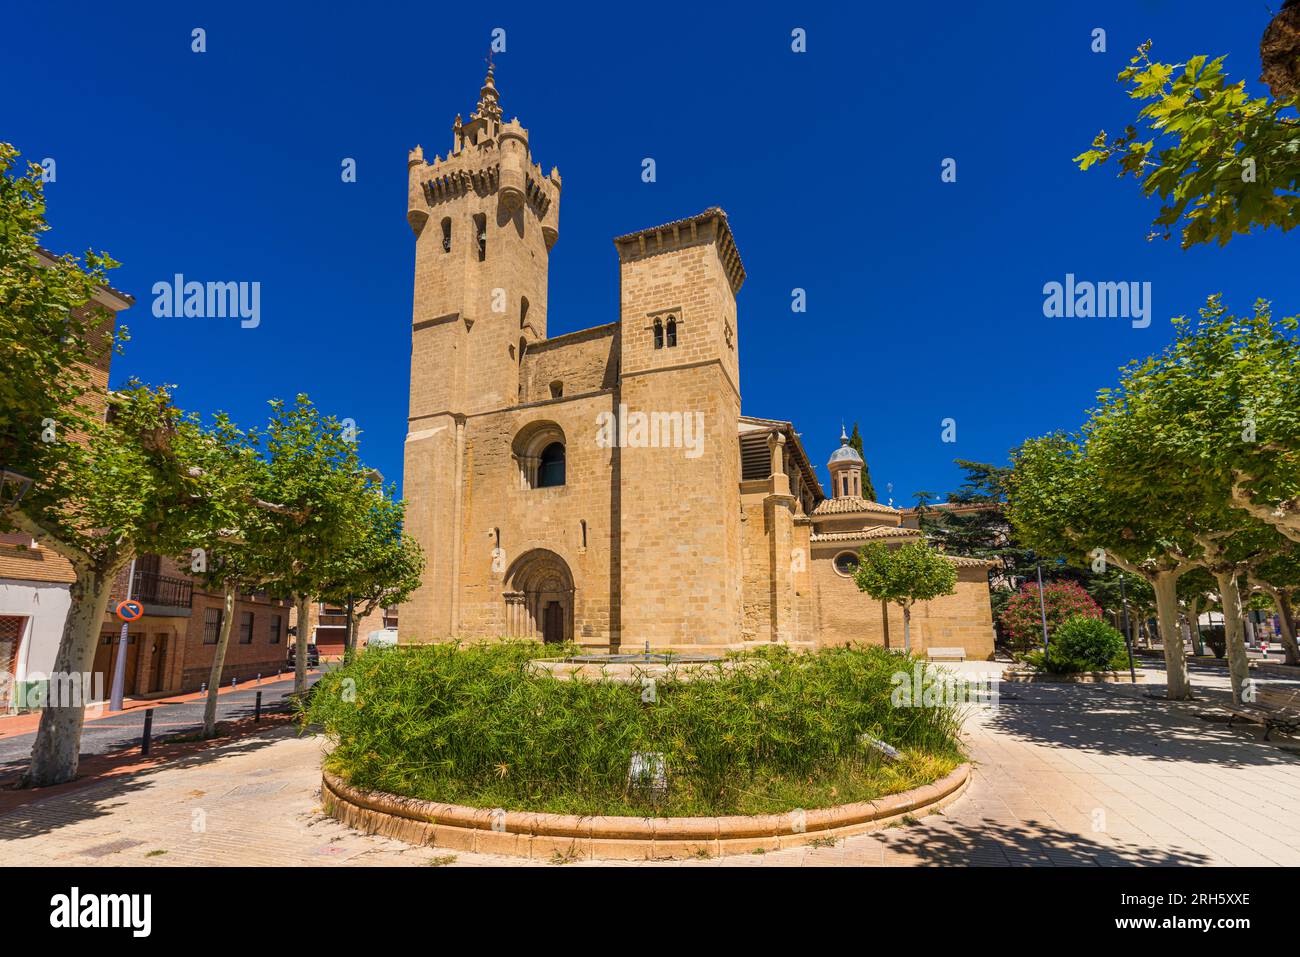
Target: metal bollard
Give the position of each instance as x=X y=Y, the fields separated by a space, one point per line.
x=148 y=731
x=257 y=708
x=234 y=682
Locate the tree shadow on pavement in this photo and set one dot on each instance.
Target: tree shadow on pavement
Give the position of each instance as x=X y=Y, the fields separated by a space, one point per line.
x=1104 y=720
x=1001 y=844
x=50 y=809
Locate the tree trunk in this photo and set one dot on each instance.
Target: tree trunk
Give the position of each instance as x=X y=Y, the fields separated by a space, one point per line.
x=884 y=615
x=907 y=628
x=58 y=738
x=350 y=633
x=219 y=661
x=1238 y=663
x=1287 y=624
x=1178 y=686
x=300 y=645
x=1194 y=619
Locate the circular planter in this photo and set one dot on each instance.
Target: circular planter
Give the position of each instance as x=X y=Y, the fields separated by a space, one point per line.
x=545 y=836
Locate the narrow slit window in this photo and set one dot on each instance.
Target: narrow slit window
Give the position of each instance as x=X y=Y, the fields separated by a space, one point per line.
x=480 y=233
x=672 y=333
x=446 y=235
x=659 y=334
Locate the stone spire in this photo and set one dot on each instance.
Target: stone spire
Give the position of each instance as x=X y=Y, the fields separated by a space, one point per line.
x=489 y=105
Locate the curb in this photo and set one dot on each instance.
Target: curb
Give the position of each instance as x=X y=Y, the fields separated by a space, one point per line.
x=542 y=836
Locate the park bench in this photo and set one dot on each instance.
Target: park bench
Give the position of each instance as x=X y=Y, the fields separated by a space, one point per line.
x=946 y=654
x=1274 y=708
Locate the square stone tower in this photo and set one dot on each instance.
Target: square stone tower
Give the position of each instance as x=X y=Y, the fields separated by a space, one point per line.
x=485 y=219
x=680 y=537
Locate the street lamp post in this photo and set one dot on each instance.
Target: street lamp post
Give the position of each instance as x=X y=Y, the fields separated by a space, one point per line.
x=1128 y=642
x=1042 y=608
x=119 y=669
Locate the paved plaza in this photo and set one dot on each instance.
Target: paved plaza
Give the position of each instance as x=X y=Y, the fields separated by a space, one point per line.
x=1064 y=775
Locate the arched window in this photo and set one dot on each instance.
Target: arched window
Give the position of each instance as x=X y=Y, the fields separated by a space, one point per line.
x=672 y=332
x=446 y=235
x=659 y=334
x=550 y=469
x=539 y=453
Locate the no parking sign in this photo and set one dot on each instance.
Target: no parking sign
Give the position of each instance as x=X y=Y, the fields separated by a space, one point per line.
x=129 y=610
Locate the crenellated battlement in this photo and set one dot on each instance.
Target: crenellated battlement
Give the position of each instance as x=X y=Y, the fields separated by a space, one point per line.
x=443 y=180
x=488 y=157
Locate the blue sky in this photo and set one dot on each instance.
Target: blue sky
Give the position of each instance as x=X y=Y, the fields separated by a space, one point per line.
x=924 y=298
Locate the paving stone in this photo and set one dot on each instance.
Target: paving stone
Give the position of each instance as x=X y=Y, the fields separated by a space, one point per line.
x=1174 y=790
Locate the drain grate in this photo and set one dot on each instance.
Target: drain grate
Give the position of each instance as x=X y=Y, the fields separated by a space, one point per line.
x=112 y=847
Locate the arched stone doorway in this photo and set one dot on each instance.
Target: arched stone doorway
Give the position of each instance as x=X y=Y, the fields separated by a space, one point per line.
x=539 y=597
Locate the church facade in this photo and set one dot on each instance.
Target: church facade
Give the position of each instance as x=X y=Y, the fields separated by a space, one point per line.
x=602 y=486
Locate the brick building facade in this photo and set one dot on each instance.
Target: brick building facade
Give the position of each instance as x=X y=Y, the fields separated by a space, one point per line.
x=603 y=486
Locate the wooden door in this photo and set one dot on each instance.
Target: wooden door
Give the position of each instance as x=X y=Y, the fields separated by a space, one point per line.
x=159 y=663
x=553 y=623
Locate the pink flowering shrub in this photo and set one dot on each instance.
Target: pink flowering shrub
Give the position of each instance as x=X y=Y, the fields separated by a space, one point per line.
x=1022 y=621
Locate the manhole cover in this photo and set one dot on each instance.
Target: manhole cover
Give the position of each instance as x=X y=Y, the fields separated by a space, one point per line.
x=112 y=847
x=256 y=790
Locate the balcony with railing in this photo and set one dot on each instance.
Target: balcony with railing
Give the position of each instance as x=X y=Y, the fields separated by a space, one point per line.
x=162 y=594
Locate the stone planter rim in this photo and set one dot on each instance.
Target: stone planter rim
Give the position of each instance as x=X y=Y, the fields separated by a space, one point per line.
x=382 y=812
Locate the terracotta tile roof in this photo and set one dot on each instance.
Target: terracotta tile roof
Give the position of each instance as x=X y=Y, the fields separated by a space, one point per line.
x=849 y=504
x=877 y=532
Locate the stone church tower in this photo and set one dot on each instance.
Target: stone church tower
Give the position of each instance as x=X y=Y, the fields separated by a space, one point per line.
x=602 y=487
x=485 y=219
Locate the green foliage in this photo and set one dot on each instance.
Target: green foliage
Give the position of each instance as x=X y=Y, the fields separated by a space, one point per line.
x=1217 y=416
x=1221 y=162
x=1084 y=643
x=767 y=733
x=231 y=478
x=855 y=442
x=904 y=574
x=1022 y=617
x=316 y=487
x=378 y=566
x=49 y=325
x=118 y=489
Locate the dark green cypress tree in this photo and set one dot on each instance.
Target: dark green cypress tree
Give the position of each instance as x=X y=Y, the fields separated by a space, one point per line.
x=855 y=441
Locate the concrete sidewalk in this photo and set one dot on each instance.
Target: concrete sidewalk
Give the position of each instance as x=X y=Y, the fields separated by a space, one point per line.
x=1065 y=775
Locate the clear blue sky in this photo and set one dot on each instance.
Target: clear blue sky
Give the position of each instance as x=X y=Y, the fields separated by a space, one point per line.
x=924 y=298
